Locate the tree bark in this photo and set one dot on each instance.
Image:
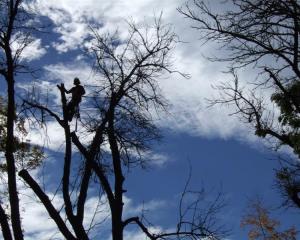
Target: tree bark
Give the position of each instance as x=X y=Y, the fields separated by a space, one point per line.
x=4 y=225
x=10 y=149
x=117 y=210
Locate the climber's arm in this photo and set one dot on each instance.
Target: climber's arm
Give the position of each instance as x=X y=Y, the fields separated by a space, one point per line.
x=83 y=91
x=68 y=91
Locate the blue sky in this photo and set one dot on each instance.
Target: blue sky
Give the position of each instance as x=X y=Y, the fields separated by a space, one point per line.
x=221 y=150
x=243 y=173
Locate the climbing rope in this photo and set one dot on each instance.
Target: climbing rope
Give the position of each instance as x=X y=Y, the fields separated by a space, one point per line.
x=77 y=115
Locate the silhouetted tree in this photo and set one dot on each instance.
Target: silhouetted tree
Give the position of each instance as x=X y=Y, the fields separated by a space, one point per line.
x=263 y=35
x=15 y=30
x=121 y=129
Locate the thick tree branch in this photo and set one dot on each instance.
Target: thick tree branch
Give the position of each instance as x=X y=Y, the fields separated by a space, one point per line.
x=47 y=203
x=141 y=225
x=98 y=170
x=42 y=108
x=4 y=225
x=83 y=191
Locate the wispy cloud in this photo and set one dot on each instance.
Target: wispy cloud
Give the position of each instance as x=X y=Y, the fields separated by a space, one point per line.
x=188 y=112
x=33 y=51
x=72 y=19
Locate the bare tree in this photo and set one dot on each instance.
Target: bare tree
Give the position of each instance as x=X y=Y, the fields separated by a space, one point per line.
x=15 y=36
x=121 y=128
x=263 y=35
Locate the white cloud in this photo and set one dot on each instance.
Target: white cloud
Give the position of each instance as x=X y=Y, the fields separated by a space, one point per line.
x=52 y=136
x=97 y=211
x=38 y=224
x=187 y=97
x=45 y=90
x=139 y=235
x=65 y=73
x=158 y=159
x=131 y=210
x=189 y=106
x=32 y=51
x=72 y=19
x=188 y=112
x=36 y=221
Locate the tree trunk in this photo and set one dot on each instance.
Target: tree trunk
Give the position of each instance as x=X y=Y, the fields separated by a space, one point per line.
x=74 y=220
x=117 y=225
x=9 y=154
x=117 y=211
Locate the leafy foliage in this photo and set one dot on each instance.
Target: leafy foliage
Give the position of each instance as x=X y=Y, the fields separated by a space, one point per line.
x=289 y=116
x=27 y=155
x=263 y=227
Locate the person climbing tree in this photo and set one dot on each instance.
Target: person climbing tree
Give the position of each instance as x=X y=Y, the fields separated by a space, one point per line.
x=77 y=93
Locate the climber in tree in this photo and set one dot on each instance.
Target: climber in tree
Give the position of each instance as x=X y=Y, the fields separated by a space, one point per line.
x=77 y=93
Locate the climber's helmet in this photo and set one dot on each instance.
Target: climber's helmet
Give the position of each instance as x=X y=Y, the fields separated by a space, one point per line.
x=76 y=81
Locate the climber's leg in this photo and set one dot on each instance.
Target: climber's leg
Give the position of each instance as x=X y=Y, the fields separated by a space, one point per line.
x=70 y=110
